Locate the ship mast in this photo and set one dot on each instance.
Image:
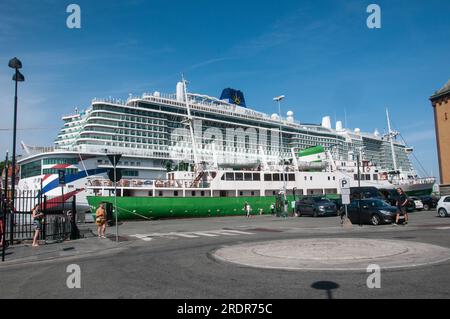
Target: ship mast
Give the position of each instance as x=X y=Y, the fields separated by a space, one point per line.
x=189 y=122
x=391 y=139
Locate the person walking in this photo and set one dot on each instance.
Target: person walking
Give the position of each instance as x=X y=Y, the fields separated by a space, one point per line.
x=272 y=209
x=37 y=217
x=402 y=201
x=247 y=209
x=100 y=220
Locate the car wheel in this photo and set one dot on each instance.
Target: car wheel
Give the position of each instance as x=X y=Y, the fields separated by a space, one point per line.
x=442 y=212
x=299 y=213
x=426 y=207
x=375 y=220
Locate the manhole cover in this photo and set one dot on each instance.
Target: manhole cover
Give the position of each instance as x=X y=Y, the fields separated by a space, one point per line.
x=334 y=254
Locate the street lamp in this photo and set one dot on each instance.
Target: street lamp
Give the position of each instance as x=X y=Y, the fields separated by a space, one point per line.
x=278 y=99
x=15 y=64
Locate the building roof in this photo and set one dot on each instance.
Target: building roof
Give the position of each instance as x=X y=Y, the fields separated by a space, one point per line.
x=444 y=91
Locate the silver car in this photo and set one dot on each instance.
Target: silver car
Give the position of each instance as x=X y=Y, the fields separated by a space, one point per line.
x=443 y=207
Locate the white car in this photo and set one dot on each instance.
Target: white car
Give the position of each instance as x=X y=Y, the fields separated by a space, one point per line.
x=418 y=204
x=443 y=207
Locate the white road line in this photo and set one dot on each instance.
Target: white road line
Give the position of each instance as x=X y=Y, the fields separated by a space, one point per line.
x=205 y=234
x=224 y=233
x=183 y=235
x=142 y=237
x=238 y=232
x=442 y=228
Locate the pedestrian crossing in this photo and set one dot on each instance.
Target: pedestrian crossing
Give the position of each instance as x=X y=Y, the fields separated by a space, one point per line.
x=192 y=235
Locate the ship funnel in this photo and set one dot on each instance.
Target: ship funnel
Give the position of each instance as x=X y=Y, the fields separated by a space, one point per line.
x=339 y=127
x=290 y=117
x=180 y=92
x=326 y=122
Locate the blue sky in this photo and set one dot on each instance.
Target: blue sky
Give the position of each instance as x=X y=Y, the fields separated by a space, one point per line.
x=320 y=54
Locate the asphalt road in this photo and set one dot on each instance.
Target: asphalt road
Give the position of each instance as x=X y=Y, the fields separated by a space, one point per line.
x=172 y=259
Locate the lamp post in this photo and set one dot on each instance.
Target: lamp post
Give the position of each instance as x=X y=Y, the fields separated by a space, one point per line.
x=114 y=159
x=359 y=189
x=15 y=64
x=4 y=207
x=278 y=99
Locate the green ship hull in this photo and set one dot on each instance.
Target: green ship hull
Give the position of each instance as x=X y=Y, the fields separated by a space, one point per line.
x=130 y=208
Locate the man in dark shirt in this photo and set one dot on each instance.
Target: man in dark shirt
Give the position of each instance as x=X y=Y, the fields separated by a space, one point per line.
x=402 y=201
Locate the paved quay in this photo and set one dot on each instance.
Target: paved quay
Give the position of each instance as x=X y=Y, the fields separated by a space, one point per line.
x=175 y=259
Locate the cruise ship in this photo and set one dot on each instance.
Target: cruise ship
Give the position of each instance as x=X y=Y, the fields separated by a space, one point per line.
x=158 y=133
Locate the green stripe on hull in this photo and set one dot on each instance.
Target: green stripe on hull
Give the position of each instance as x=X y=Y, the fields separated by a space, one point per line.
x=153 y=207
x=420 y=192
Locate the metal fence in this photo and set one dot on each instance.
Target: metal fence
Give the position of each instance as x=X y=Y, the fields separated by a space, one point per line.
x=58 y=224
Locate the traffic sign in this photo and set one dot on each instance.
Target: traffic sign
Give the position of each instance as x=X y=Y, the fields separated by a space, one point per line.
x=344 y=183
x=62 y=177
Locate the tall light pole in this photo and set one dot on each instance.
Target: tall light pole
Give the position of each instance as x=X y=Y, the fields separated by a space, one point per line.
x=15 y=64
x=278 y=99
x=114 y=159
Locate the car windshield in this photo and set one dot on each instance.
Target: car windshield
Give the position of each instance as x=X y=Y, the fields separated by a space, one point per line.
x=320 y=199
x=380 y=203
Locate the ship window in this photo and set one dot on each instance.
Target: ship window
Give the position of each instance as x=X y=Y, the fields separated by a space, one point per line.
x=367 y=177
x=202 y=193
x=276 y=177
x=268 y=177
x=248 y=176
x=329 y=178
x=193 y=193
x=375 y=177
x=256 y=177
x=292 y=177
x=355 y=177
x=160 y=194
x=239 y=176
x=241 y=193
x=230 y=177
x=175 y=193
x=150 y=193
x=30 y=169
x=253 y=193
x=310 y=178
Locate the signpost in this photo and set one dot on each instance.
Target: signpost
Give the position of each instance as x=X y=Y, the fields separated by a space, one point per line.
x=345 y=194
x=114 y=159
x=62 y=183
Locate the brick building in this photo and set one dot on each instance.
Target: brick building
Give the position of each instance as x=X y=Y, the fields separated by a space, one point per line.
x=441 y=105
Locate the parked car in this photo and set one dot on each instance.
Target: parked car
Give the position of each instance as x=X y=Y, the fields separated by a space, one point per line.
x=443 y=206
x=391 y=195
x=416 y=203
x=315 y=206
x=373 y=211
x=429 y=202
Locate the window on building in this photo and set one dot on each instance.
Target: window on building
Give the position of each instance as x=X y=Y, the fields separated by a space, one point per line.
x=268 y=177
x=248 y=176
x=292 y=177
x=229 y=176
x=276 y=177
x=256 y=177
x=239 y=176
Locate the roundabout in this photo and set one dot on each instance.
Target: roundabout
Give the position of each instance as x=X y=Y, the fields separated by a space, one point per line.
x=333 y=254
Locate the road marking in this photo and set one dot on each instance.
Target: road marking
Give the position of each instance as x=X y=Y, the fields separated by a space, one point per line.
x=238 y=232
x=191 y=235
x=183 y=235
x=205 y=234
x=442 y=228
x=142 y=237
x=223 y=232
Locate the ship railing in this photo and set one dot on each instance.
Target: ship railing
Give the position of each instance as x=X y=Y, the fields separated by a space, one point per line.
x=417 y=181
x=140 y=183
